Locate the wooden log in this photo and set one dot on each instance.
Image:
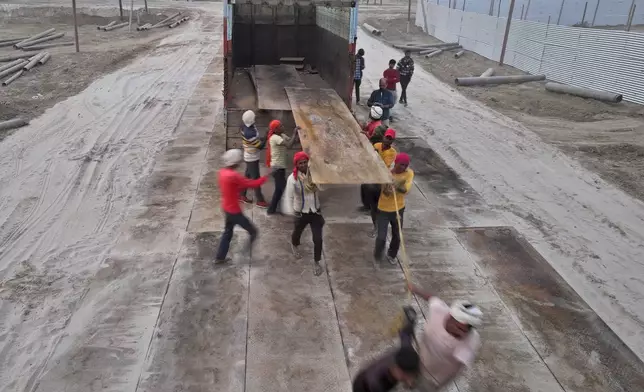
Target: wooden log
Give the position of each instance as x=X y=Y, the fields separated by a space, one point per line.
x=339 y=152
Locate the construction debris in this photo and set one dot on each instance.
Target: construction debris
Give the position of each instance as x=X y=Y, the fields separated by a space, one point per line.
x=46 y=46
x=12 y=57
x=11 y=64
x=34 y=61
x=12 y=78
x=488 y=72
x=41 y=40
x=177 y=23
x=371 y=29
x=112 y=23
x=459 y=53
x=13 y=69
x=481 y=81
x=116 y=26
x=44 y=58
x=14 y=123
x=165 y=21
x=34 y=37
x=144 y=27
x=584 y=92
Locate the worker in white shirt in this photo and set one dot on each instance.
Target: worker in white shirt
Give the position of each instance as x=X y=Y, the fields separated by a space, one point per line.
x=303 y=195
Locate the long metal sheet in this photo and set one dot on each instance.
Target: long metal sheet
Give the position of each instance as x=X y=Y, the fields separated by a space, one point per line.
x=339 y=153
x=270 y=81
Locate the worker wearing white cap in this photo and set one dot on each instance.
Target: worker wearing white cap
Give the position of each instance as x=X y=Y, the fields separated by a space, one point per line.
x=449 y=341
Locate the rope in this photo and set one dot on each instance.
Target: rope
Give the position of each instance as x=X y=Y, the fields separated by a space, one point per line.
x=400 y=320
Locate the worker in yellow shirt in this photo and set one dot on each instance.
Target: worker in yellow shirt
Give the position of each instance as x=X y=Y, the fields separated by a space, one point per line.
x=372 y=191
x=392 y=196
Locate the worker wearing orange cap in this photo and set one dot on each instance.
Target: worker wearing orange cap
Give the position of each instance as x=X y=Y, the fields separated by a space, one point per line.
x=276 y=155
x=391 y=205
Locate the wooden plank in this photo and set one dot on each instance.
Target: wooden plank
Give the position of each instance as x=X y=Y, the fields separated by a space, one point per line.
x=270 y=81
x=331 y=136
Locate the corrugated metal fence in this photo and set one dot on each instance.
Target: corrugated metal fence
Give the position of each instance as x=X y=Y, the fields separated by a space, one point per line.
x=606 y=60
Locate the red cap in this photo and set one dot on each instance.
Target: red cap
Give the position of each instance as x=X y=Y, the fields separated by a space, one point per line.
x=402 y=158
x=390 y=133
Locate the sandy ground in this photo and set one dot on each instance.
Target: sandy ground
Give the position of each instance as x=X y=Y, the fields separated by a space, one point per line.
x=590 y=231
x=606 y=138
x=68 y=73
x=68 y=181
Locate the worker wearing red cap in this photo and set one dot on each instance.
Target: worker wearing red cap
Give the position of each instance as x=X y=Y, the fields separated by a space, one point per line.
x=278 y=144
x=304 y=199
x=372 y=192
x=391 y=205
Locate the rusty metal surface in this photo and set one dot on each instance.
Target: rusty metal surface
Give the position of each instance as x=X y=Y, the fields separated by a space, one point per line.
x=340 y=154
x=579 y=348
x=270 y=81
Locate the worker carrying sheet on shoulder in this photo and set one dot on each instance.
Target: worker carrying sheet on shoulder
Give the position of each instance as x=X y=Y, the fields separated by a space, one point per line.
x=449 y=341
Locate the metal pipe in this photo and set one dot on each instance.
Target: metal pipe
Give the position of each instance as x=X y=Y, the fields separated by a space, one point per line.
x=44 y=58
x=595 y=14
x=40 y=40
x=166 y=19
x=13 y=123
x=12 y=78
x=409 y=15
x=459 y=53
x=8 y=43
x=583 y=16
x=425 y=47
x=445 y=48
x=11 y=64
x=39 y=35
x=479 y=81
x=144 y=27
x=630 y=16
x=46 y=46
x=112 y=23
x=33 y=61
x=522 y=9
x=75 y=26
x=13 y=69
x=121 y=9
x=525 y=17
x=584 y=92
x=131 y=12
x=116 y=26
x=13 y=39
x=12 y=57
x=371 y=29
x=175 y=24
x=507 y=32
x=488 y=72
x=560 y=11
x=491 y=11
x=434 y=53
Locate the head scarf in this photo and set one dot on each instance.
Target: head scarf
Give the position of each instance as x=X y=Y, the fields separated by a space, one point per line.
x=271 y=130
x=299 y=156
x=309 y=186
x=402 y=158
x=466 y=313
x=391 y=133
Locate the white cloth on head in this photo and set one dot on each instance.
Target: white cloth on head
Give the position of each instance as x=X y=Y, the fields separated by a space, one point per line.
x=466 y=313
x=376 y=112
x=232 y=157
x=248 y=118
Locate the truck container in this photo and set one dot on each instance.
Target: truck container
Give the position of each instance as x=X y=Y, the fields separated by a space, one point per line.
x=268 y=32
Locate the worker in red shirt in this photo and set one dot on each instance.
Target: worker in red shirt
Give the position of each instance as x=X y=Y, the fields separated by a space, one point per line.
x=231 y=183
x=392 y=76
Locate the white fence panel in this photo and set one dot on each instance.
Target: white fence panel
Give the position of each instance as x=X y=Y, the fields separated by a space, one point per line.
x=606 y=60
